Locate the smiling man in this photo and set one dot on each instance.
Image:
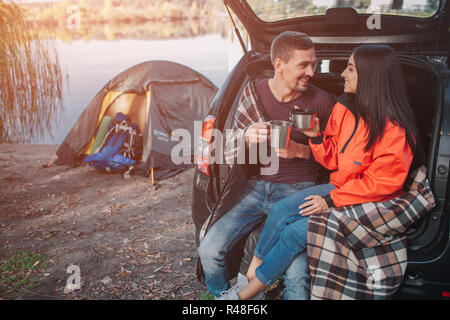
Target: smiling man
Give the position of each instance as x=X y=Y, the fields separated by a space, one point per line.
x=294 y=60
x=294 y=69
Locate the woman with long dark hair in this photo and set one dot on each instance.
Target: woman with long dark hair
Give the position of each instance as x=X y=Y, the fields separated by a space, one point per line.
x=368 y=143
x=380 y=93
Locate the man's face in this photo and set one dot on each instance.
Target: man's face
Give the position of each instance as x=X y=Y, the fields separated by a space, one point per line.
x=298 y=70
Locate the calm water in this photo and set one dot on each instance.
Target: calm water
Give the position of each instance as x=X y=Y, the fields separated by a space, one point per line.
x=89 y=65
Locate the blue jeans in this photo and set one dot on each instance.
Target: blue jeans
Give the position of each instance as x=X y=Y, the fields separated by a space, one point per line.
x=258 y=198
x=285 y=236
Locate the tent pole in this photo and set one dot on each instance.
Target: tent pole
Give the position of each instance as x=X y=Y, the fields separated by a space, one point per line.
x=51 y=162
x=153 y=179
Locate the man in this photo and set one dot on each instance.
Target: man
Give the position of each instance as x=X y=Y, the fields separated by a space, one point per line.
x=294 y=59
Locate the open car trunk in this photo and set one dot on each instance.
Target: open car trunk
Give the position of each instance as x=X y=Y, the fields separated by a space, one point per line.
x=424 y=90
x=422 y=45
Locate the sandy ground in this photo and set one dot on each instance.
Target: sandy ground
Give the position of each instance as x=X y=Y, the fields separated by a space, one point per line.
x=130 y=240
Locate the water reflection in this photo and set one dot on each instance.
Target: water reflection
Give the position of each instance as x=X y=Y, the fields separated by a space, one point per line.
x=133 y=19
x=30 y=80
x=151 y=30
x=101 y=48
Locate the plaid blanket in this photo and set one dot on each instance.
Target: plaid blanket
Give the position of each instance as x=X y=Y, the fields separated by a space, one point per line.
x=360 y=251
x=248 y=111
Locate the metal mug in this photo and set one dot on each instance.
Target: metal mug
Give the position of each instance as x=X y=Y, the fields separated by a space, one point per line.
x=280 y=132
x=303 y=118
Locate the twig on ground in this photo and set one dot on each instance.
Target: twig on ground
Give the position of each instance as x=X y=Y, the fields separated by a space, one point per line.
x=40 y=294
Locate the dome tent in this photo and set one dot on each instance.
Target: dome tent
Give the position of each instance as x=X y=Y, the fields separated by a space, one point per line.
x=160 y=97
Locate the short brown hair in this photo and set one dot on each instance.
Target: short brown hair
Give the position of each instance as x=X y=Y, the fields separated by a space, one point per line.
x=283 y=45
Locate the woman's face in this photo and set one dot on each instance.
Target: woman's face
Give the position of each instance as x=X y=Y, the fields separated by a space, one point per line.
x=350 y=76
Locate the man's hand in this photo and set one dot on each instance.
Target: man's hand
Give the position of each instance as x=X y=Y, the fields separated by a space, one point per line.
x=257 y=133
x=315 y=205
x=295 y=150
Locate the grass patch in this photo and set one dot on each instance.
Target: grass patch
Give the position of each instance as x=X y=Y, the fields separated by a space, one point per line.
x=16 y=271
x=206 y=296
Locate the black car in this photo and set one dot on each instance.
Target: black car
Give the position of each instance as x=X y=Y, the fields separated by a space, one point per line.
x=419 y=33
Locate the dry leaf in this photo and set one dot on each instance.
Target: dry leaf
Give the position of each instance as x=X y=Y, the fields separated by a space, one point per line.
x=106 y=281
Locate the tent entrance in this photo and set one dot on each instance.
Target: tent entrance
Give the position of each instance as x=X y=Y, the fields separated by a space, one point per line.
x=134 y=105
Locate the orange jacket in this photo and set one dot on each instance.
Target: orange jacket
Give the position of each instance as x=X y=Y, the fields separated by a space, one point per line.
x=360 y=176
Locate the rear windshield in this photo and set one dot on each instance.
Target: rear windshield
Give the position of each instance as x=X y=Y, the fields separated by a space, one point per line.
x=276 y=10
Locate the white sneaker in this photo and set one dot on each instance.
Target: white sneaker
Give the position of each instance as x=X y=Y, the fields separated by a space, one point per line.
x=232 y=293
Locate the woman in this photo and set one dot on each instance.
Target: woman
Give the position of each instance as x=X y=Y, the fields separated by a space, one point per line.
x=369 y=143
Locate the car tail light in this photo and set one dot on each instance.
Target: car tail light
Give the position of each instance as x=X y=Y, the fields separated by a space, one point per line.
x=446 y=294
x=204 y=144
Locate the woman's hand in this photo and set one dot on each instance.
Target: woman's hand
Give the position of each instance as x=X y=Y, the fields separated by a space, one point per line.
x=315 y=205
x=314 y=132
x=295 y=150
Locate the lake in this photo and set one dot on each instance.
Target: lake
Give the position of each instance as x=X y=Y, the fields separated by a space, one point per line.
x=90 y=64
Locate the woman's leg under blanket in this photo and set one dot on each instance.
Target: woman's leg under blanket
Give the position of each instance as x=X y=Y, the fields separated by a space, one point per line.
x=292 y=241
x=283 y=213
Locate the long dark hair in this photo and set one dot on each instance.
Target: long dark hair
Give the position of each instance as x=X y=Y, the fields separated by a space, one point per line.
x=381 y=93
